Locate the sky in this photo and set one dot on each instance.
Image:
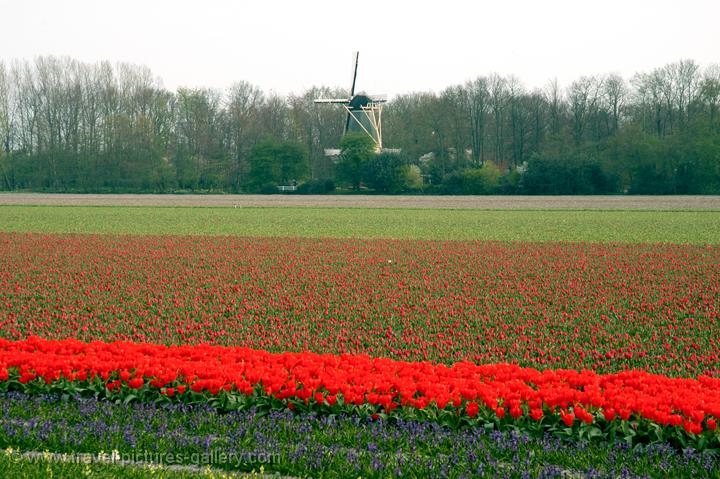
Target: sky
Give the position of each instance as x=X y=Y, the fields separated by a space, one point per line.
x=287 y=47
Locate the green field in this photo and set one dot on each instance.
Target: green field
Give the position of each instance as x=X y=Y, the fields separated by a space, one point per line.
x=697 y=227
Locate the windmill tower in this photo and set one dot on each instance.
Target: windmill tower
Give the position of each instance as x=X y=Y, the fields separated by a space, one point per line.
x=364 y=112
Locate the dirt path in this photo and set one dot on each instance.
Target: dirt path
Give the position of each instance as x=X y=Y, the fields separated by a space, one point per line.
x=354 y=201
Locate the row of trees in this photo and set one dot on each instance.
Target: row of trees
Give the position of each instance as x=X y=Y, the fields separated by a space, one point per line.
x=657 y=133
x=71 y=126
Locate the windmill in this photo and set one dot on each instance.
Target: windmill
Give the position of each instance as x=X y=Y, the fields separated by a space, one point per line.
x=364 y=112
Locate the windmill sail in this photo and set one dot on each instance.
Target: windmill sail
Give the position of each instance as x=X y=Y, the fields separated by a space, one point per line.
x=352 y=92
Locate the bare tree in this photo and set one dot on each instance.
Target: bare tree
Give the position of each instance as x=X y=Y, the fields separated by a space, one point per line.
x=556 y=107
x=615 y=93
x=686 y=79
x=478 y=103
x=497 y=87
x=5 y=125
x=405 y=124
x=317 y=127
x=453 y=106
x=538 y=107
x=519 y=112
x=273 y=117
x=647 y=101
x=583 y=96
x=710 y=93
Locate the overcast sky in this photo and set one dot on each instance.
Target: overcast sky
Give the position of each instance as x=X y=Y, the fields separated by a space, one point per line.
x=405 y=46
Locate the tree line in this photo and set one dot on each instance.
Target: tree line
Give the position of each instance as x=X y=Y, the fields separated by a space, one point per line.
x=69 y=126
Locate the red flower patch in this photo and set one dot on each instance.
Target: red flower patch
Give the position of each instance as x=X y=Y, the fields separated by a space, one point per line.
x=602 y=307
x=385 y=384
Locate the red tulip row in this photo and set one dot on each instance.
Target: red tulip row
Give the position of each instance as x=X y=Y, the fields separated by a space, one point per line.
x=294 y=378
x=580 y=306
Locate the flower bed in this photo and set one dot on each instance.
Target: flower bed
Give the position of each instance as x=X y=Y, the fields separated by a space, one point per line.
x=318 y=445
x=579 y=306
x=636 y=405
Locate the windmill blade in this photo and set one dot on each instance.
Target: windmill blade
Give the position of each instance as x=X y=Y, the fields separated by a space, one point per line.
x=332 y=100
x=352 y=92
x=378 y=98
x=352 y=88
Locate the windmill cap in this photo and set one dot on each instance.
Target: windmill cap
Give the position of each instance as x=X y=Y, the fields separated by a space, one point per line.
x=363 y=99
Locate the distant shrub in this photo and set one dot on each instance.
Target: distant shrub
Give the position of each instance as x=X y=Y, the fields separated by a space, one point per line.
x=481 y=181
x=316 y=187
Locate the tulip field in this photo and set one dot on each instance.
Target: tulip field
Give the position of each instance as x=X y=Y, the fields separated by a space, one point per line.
x=506 y=346
x=605 y=308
